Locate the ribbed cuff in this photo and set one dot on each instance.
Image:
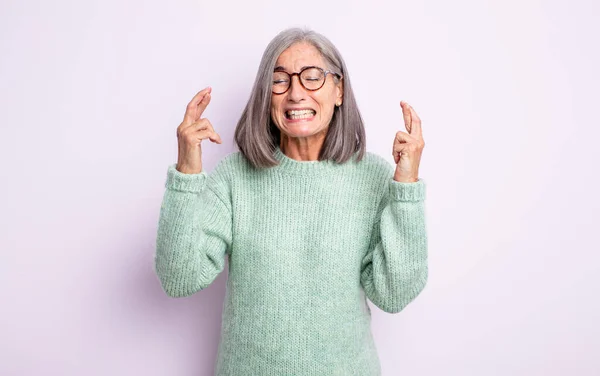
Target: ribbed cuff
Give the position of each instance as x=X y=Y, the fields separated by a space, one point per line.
x=400 y=191
x=185 y=182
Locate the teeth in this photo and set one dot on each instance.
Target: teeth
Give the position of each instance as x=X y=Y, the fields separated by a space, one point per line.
x=301 y=112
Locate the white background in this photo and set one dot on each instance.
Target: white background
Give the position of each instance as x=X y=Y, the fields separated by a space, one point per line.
x=91 y=95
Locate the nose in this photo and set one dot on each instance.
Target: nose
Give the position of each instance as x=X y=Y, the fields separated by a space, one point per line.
x=296 y=92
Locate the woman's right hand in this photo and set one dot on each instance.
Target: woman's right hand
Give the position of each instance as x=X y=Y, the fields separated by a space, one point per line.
x=192 y=131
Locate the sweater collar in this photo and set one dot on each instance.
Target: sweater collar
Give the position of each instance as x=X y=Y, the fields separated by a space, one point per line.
x=291 y=166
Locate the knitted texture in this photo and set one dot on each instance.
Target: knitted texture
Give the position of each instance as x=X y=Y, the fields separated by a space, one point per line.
x=307 y=242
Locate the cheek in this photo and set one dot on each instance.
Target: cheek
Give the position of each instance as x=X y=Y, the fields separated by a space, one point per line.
x=275 y=109
x=327 y=105
x=327 y=114
x=328 y=101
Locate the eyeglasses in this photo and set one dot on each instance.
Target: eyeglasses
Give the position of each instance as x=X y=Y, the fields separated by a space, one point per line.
x=311 y=78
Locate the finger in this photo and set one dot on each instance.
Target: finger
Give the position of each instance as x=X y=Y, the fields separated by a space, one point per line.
x=192 y=112
x=194 y=109
x=416 y=124
x=397 y=151
x=403 y=137
x=203 y=104
x=210 y=134
x=406 y=114
x=400 y=147
x=216 y=138
x=204 y=125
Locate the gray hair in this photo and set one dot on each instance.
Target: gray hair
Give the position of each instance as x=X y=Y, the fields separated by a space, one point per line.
x=256 y=135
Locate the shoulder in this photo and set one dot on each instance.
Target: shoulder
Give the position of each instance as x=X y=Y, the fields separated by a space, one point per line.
x=373 y=173
x=220 y=178
x=230 y=164
x=231 y=168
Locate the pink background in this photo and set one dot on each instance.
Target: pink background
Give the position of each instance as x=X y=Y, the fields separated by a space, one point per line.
x=91 y=95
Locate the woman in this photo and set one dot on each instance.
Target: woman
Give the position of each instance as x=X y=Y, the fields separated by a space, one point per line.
x=311 y=223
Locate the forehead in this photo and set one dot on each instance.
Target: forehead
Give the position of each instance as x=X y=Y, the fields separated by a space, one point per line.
x=299 y=55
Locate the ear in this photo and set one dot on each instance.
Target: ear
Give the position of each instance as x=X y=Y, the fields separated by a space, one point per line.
x=339 y=92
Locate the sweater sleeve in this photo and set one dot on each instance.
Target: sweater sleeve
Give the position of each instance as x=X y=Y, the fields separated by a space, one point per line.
x=194 y=232
x=394 y=270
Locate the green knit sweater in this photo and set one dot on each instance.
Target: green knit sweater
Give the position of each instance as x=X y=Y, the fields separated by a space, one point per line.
x=307 y=242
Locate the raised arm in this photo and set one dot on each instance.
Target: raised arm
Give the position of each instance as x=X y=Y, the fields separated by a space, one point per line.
x=394 y=271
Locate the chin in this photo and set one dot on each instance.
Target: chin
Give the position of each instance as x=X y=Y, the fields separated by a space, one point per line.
x=304 y=131
x=299 y=132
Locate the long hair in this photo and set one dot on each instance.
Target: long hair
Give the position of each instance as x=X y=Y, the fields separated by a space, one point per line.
x=256 y=135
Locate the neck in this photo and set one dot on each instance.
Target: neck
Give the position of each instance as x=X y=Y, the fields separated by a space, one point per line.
x=302 y=148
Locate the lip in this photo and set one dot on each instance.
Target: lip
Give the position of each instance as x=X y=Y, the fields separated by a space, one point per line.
x=299 y=120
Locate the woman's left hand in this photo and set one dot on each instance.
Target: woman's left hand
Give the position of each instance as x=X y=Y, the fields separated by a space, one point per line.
x=408 y=147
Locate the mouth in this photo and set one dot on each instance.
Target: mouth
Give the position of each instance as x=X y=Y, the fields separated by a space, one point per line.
x=300 y=115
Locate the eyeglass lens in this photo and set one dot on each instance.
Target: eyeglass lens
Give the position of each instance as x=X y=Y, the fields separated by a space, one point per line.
x=311 y=78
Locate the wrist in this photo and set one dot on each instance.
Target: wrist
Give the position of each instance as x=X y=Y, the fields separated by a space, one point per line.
x=406 y=179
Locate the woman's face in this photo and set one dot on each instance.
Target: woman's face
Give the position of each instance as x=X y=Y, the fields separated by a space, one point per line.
x=321 y=101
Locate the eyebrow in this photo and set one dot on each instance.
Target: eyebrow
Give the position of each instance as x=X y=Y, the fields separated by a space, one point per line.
x=280 y=68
